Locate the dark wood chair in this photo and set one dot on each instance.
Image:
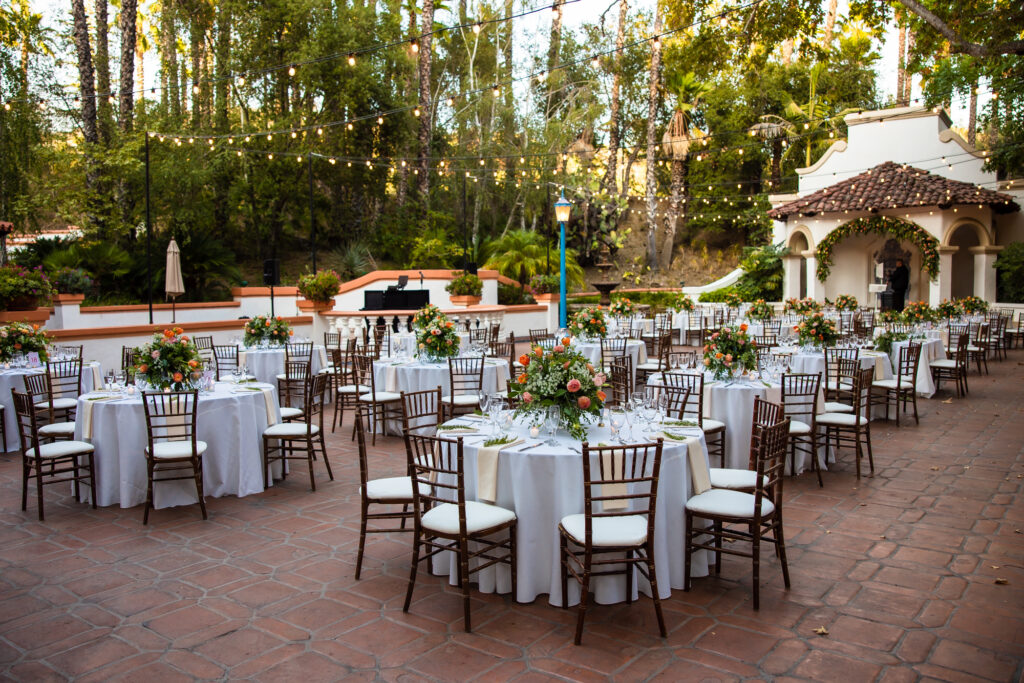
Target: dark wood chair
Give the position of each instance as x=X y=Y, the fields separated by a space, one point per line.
x=172 y=449
x=765 y=414
x=619 y=505
x=466 y=382
x=225 y=357
x=38 y=386
x=854 y=428
x=422 y=411
x=620 y=376
x=714 y=430
x=902 y=388
x=298 y=440
x=953 y=368
x=292 y=387
x=444 y=521
x=800 y=405
x=386 y=405
x=611 y=349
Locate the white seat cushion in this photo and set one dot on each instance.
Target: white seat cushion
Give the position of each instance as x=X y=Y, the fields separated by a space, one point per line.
x=649 y=365
x=836 y=407
x=288 y=413
x=58 y=404
x=833 y=385
x=177 y=449
x=462 y=399
x=618 y=531
x=392 y=488
x=907 y=383
x=839 y=420
x=709 y=425
x=60 y=448
x=479 y=516
x=380 y=397
x=726 y=503
x=288 y=430
x=58 y=429
x=736 y=480
x=353 y=389
x=798 y=427
x=943 y=363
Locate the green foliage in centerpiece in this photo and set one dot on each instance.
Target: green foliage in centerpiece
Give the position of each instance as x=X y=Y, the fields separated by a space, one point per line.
x=18 y=338
x=733 y=300
x=263 y=327
x=760 y=310
x=438 y=338
x=563 y=378
x=589 y=322
x=973 y=304
x=622 y=307
x=884 y=341
x=168 y=361
x=729 y=349
x=948 y=309
x=817 y=330
x=846 y=302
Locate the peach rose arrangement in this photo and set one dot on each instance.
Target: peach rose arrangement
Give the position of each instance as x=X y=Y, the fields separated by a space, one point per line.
x=171 y=361
x=264 y=328
x=730 y=351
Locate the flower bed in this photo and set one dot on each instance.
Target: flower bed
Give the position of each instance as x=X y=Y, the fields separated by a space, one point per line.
x=320 y=287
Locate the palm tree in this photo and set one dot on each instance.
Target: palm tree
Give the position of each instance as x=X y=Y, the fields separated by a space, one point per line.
x=774 y=129
x=813 y=114
x=676 y=144
x=521 y=254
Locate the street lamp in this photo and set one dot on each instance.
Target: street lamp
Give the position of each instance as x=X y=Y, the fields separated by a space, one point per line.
x=562 y=210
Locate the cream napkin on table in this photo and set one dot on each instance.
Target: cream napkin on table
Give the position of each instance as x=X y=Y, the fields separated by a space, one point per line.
x=97 y=376
x=242 y=355
x=323 y=356
x=268 y=399
x=86 y=412
x=487 y=470
x=700 y=477
x=611 y=461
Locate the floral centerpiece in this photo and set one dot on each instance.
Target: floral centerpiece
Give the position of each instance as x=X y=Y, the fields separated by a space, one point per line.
x=733 y=300
x=18 y=338
x=972 y=304
x=21 y=288
x=918 y=312
x=274 y=331
x=589 y=322
x=438 y=338
x=427 y=315
x=170 y=361
x=949 y=309
x=817 y=330
x=622 y=308
x=803 y=306
x=563 y=378
x=884 y=341
x=846 y=302
x=729 y=351
x=760 y=310
x=683 y=302
x=320 y=287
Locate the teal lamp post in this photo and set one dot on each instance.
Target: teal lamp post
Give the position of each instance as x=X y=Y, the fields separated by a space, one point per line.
x=562 y=209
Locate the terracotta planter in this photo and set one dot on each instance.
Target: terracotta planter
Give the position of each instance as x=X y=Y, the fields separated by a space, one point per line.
x=68 y=298
x=314 y=306
x=464 y=300
x=23 y=303
x=546 y=298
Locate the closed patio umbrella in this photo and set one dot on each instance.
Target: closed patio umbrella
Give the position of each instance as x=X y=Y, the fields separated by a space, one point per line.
x=173 y=284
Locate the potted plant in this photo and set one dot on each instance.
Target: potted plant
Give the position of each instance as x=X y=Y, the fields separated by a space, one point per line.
x=72 y=284
x=21 y=289
x=545 y=288
x=319 y=290
x=465 y=289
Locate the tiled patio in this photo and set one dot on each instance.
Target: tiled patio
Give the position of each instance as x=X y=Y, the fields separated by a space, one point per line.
x=900 y=569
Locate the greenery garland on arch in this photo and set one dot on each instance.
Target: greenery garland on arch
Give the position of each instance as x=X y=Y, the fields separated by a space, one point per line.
x=901 y=229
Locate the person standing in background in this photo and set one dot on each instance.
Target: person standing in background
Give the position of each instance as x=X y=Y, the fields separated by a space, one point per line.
x=899 y=280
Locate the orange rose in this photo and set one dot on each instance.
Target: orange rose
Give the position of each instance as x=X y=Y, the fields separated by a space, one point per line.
x=524 y=360
x=743 y=327
x=566 y=341
x=539 y=351
x=718 y=355
x=192 y=364
x=601 y=395
x=266 y=323
x=17 y=345
x=35 y=327
x=291 y=333
x=178 y=377
x=521 y=378
x=143 y=368
x=168 y=333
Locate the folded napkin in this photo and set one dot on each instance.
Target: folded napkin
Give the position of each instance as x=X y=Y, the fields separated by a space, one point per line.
x=97 y=377
x=459 y=429
x=271 y=404
x=700 y=477
x=86 y=413
x=323 y=357
x=242 y=355
x=391 y=378
x=611 y=463
x=487 y=470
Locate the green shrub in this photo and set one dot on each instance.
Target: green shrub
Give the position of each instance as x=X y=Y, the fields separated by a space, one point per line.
x=763 y=272
x=465 y=284
x=18 y=282
x=1010 y=266
x=717 y=296
x=71 y=281
x=545 y=284
x=320 y=287
x=513 y=295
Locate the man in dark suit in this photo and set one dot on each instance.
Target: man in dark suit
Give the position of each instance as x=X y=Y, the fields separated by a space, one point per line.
x=899 y=281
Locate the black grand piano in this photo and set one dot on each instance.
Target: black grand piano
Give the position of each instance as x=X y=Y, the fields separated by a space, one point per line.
x=396 y=297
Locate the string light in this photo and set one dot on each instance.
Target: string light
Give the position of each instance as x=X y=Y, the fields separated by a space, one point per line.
x=291 y=71
x=496 y=90
x=416 y=111
x=414 y=45
x=351 y=60
x=477 y=27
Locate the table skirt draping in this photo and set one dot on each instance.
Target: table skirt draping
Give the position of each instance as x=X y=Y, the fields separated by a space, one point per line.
x=230 y=421
x=931 y=349
x=592 y=351
x=544 y=485
x=398 y=375
x=13 y=378
x=266 y=364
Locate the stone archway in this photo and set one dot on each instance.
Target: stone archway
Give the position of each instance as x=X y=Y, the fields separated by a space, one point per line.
x=961 y=276
x=799 y=245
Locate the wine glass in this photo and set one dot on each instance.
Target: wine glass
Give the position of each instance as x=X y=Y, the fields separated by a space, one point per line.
x=616 y=418
x=551 y=419
x=108 y=380
x=236 y=374
x=485 y=402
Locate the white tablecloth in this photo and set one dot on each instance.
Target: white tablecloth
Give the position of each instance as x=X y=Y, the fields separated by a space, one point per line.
x=406 y=342
x=266 y=364
x=13 y=378
x=397 y=375
x=592 y=350
x=814 y=363
x=931 y=349
x=545 y=484
x=230 y=421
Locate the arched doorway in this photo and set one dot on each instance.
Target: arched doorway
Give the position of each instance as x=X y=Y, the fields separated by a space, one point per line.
x=798 y=244
x=961 y=277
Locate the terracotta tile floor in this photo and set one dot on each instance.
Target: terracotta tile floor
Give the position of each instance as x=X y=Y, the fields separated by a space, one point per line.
x=900 y=569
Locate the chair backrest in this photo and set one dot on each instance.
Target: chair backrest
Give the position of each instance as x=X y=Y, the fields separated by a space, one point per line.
x=68 y=351
x=770 y=463
x=773 y=326
x=621 y=379
x=766 y=341
x=170 y=416
x=495 y=332
x=291 y=388
x=363 y=415
x=466 y=375
x=536 y=335
x=127 y=358
x=28 y=428
x=504 y=350
x=765 y=414
x=332 y=340
x=438 y=476
x=37 y=384
x=315 y=398
x=677 y=399
x=611 y=348
x=959 y=351
x=421 y=411
x=298 y=351
x=362 y=371
x=225 y=358
x=910 y=357
x=65 y=378
x=862 y=380
x=626 y=475
x=800 y=396
x=204 y=343
x=479 y=335
x=832 y=356
x=694 y=382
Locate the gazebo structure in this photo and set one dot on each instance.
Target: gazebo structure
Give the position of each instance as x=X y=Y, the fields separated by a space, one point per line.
x=906 y=186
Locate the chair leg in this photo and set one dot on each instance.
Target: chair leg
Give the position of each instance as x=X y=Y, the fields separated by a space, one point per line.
x=362 y=539
x=92 y=478
x=412 y=569
x=629 y=577
x=149 y=491
x=310 y=453
x=581 y=609
x=464 y=582
x=563 y=558
x=197 y=467
x=717 y=526
x=913 y=397
x=512 y=558
x=867 y=441
x=755 y=533
x=780 y=545
x=266 y=463
x=654 y=589
x=687 y=549
x=75 y=474
x=323 y=453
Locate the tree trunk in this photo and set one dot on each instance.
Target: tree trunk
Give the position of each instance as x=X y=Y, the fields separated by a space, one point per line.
x=830 y=22
x=140 y=54
x=126 y=91
x=222 y=92
x=195 y=53
x=554 y=46
x=426 y=108
x=105 y=110
x=787 y=52
x=776 y=163
x=86 y=77
x=402 y=186
x=972 y=121
x=908 y=79
x=25 y=11
x=624 y=189
x=652 y=149
x=610 y=182
x=901 y=69
x=668 y=245
x=169 y=61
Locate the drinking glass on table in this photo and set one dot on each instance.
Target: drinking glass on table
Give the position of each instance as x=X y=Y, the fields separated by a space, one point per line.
x=616 y=419
x=236 y=374
x=108 y=380
x=552 y=417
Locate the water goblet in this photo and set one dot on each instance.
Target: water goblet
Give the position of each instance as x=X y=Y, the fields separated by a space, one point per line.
x=616 y=418
x=552 y=417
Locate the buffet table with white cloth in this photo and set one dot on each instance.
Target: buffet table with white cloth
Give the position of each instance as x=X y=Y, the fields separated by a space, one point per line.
x=14 y=378
x=543 y=484
x=266 y=364
x=230 y=419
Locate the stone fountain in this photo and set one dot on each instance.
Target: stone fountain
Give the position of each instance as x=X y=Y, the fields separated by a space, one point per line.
x=605 y=287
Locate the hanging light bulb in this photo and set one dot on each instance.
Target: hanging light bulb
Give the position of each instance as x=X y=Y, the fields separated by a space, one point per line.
x=414 y=46
x=7 y=105
x=416 y=111
x=349 y=126
x=299 y=158
x=496 y=90
x=595 y=62
x=542 y=76
x=332 y=161
x=451 y=101
x=657 y=42
x=270 y=157
x=351 y=60
x=319 y=131
x=270 y=136
x=239 y=152
x=481 y=161
x=195 y=89
x=247 y=138
x=477 y=27
x=110 y=98
x=294 y=135
x=291 y=71
x=380 y=120
x=231 y=141
x=241 y=81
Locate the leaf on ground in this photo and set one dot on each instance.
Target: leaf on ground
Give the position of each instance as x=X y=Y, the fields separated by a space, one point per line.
x=821 y=631
x=936 y=469
x=948 y=400
x=1002 y=582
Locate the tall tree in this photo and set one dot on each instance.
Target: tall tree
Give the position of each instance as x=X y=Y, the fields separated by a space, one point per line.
x=86 y=76
x=222 y=88
x=901 y=67
x=653 y=91
x=610 y=181
x=171 y=97
x=830 y=22
x=972 y=112
x=105 y=107
x=126 y=89
x=426 y=104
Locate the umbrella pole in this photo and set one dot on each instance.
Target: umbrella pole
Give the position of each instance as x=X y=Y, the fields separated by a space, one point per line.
x=149 y=240
x=174 y=311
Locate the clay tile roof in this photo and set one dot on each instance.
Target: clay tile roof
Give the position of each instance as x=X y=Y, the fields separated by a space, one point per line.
x=890 y=185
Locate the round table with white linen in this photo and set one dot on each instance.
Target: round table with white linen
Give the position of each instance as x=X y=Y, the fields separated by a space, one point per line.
x=592 y=350
x=813 y=362
x=14 y=378
x=404 y=343
x=398 y=374
x=230 y=419
x=266 y=364
x=544 y=484
x=931 y=349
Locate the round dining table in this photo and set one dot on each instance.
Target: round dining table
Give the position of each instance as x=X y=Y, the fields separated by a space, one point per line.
x=405 y=374
x=230 y=419
x=266 y=364
x=14 y=378
x=591 y=349
x=543 y=482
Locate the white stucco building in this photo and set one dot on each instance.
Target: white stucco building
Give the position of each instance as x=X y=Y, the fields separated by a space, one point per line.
x=907 y=164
